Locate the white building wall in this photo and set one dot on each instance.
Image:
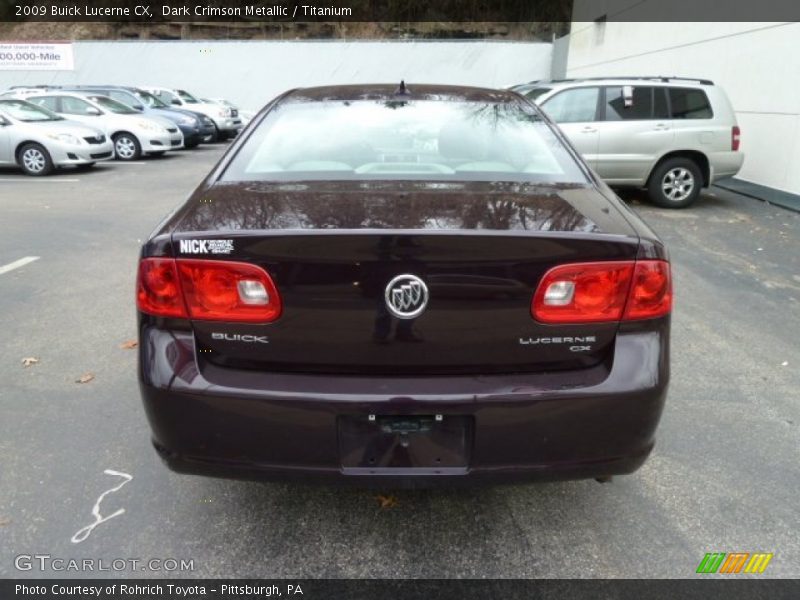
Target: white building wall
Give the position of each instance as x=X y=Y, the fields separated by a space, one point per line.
x=251 y=73
x=758 y=64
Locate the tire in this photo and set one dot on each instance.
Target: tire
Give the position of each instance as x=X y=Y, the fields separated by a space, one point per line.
x=675 y=183
x=215 y=137
x=126 y=146
x=35 y=160
x=190 y=145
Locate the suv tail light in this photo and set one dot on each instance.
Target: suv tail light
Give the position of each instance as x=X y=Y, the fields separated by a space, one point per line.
x=207 y=290
x=603 y=291
x=736 y=134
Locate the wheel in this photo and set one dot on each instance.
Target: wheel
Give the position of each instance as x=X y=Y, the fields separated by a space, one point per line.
x=126 y=146
x=675 y=183
x=216 y=136
x=35 y=160
x=190 y=145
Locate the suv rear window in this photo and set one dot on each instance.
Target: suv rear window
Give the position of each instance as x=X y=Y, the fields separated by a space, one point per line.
x=689 y=103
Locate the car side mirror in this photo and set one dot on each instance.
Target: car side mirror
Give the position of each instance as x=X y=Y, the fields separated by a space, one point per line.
x=4 y=122
x=92 y=111
x=175 y=101
x=138 y=107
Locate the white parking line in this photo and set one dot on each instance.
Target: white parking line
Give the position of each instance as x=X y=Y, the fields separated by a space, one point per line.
x=17 y=264
x=41 y=179
x=128 y=162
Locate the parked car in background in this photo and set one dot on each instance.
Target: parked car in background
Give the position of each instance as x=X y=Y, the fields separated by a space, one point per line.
x=132 y=133
x=226 y=119
x=39 y=141
x=195 y=127
x=671 y=135
x=245 y=115
x=450 y=297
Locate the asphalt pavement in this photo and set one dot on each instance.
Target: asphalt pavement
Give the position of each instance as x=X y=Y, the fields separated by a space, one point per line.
x=723 y=477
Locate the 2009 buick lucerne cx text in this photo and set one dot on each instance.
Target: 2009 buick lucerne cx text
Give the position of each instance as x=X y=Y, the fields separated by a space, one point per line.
x=406 y=286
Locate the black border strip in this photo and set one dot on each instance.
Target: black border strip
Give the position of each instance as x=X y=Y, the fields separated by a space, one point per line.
x=702 y=588
x=399 y=11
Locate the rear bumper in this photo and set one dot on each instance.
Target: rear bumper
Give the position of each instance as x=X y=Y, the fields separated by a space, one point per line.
x=724 y=164
x=526 y=427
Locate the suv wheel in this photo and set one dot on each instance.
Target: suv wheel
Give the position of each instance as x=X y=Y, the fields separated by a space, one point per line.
x=35 y=160
x=127 y=147
x=675 y=183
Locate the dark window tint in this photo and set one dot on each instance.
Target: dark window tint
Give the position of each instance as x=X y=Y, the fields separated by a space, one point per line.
x=689 y=103
x=578 y=105
x=638 y=107
x=660 y=109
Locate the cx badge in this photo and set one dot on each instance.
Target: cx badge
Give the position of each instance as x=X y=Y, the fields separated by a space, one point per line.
x=406 y=296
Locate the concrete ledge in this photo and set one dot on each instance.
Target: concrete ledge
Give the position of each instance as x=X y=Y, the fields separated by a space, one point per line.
x=761 y=192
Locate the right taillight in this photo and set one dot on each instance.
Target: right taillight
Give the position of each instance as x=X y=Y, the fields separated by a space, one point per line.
x=736 y=138
x=603 y=292
x=208 y=290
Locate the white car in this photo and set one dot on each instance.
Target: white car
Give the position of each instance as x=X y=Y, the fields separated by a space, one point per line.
x=38 y=140
x=226 y=119
x=245 y=115
x=132 y=133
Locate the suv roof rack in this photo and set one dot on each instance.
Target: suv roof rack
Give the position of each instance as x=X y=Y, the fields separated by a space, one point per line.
x=664 y=78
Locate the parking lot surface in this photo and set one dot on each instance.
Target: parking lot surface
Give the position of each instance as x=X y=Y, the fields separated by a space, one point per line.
x=724 y=475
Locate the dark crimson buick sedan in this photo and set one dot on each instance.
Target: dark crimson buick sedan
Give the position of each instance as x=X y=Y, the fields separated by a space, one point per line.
x=403 y=286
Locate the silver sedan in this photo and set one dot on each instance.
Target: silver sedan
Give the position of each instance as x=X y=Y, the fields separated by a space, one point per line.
x=38 y=140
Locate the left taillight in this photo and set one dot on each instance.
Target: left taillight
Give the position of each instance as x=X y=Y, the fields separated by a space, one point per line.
x=207 y=290
x=603 y=291
x=158 y=289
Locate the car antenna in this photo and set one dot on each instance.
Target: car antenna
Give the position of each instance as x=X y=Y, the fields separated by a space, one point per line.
x=402 y=90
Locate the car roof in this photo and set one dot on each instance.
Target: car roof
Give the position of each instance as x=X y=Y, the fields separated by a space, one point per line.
x=393 y=91
x=59 y=92
x=656 y=79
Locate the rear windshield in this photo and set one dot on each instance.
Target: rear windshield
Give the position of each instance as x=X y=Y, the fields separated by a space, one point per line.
x=416 y=140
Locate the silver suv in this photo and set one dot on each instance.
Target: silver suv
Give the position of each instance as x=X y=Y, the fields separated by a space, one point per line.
x=669 y=134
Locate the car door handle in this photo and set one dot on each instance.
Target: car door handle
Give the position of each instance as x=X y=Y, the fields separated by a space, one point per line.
x=588 y=129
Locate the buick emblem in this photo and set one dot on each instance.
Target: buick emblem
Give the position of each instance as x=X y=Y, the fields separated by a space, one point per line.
x=406 y=296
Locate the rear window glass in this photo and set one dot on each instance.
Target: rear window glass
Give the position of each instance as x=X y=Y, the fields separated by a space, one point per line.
x=689 y=103
x=404 y=139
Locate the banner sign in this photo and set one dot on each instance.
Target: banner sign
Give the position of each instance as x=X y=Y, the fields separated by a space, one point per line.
x=36 y=56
